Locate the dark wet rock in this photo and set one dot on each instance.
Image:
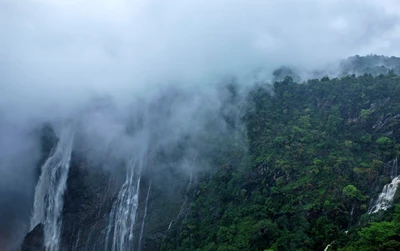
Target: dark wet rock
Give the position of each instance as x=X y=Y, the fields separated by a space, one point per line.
x=89 y=198
x=34 y=240
x=87 y=202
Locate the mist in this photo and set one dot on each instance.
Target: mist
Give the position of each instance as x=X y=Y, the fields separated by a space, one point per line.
x=58 y=57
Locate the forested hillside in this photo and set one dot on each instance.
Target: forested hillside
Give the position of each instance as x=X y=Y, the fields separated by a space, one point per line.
x=211 y=125
x=319 y=154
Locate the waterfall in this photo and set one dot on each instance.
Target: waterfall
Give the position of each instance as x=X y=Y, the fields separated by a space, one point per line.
x=123 y=213
x=88 y=240
x=393 y=173
x=329 y=246
x=187 y=190
x=77 y=241
x=351 y=216
x=50 y=188
x=144 y=217
x=191 y=173
x=386 y=197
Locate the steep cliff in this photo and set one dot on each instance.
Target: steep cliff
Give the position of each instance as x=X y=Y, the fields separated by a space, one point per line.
x=316 y=166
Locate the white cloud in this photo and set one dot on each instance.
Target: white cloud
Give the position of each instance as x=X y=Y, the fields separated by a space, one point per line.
x=57 y=54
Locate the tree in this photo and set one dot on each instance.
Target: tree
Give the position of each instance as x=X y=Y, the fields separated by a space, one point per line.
x=384 y=142
x=351 y=192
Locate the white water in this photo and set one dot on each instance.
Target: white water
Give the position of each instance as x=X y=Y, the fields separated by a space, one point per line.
x=88 y=240
x=170 y=224
x=352 y=211
x=144 y=218
x=351 y=216
x=393 y=173
x=386 y=197
x=50 y=189
x=77 y=241
x=123 y=213
x=328 y=247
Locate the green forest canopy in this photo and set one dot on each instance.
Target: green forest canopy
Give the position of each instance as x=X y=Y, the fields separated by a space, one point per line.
x=317 y=154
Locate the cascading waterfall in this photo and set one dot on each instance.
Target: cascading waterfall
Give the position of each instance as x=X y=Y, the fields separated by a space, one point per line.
x=170 y=224
x=393 y=173
x=328 y=247
x=123 y=214
x=187 y=190
x=386 y=197
x=351 y=217
x=90 y=238
x=144 y=218
x=50 y=189
x=77 y=241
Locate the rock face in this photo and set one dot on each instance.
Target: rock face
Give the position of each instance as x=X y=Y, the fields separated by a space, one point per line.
x=88 y=201
x=92 y=190
x=34 y=240
x=166 y=203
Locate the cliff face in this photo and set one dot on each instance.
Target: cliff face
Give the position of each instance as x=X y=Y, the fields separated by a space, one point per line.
x=318 y=156
x=89 y=199
x=94 y=208
x=34 y=240
x=87 y=202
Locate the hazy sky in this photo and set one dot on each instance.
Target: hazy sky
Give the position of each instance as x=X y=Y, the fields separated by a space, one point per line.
x=61 y=51
x=57 y=54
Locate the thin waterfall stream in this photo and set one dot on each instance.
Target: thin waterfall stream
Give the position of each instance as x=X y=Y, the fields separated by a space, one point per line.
x=144 y=218
x=49 y=191
x=123 y=214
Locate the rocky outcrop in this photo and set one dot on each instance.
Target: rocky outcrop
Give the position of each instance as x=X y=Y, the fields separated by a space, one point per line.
x=34 y=240
x=87 y=202
x=166 y=205
x=92 y=190
x=89 y=198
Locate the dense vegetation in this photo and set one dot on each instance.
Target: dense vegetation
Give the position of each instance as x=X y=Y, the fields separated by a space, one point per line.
x=318 y=152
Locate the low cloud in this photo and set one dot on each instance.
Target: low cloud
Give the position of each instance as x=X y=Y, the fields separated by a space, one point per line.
x=56 y=57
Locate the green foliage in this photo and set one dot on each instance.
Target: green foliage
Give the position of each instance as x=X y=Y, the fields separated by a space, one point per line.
x=316 y=152
x=384 y=235
x=365 y=114
x=383 y=141
x=351 y=191
x=366 y=138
